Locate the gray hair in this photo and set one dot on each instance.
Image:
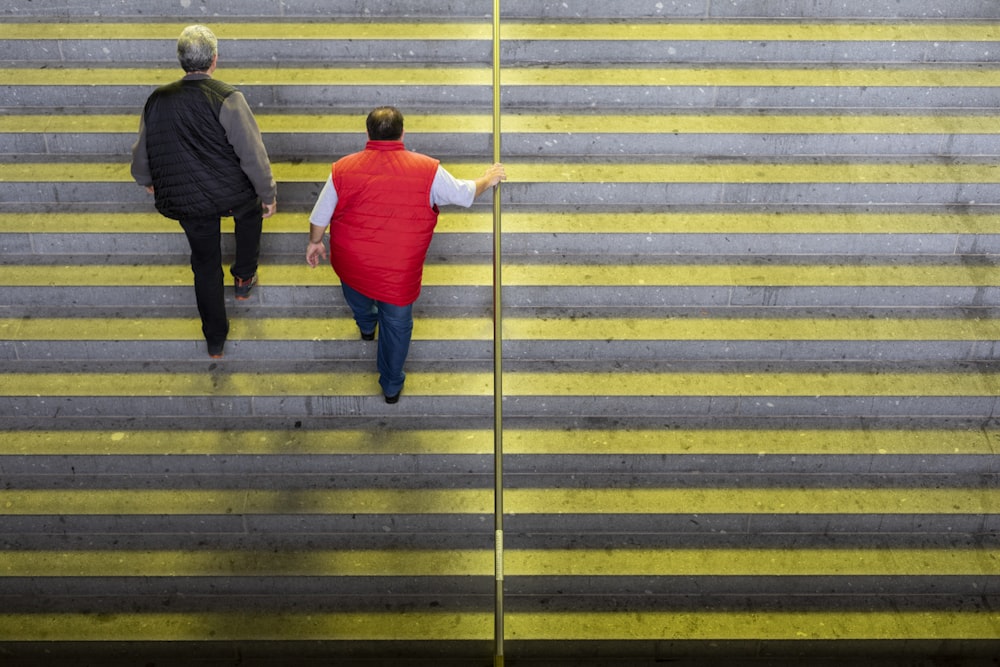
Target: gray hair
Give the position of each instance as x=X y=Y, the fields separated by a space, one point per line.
x=196 y=48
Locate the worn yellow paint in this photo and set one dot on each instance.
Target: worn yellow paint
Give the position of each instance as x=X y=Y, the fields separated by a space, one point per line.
x=513 y=30
x=277 y=442
x=565 y=172
x=516 y=328
x=760 y=442
x=647 y=275
x=254 y=625
x=659 y=123
x=246 y=501
x=749 y=384
x=751 y=562
x=524 y=442
x=249 y=563
x=458 y=221
x=528 y=76
x=518 y=562
x=751 y=501
x=314 y=329
x=794 y=625
x=878 y=501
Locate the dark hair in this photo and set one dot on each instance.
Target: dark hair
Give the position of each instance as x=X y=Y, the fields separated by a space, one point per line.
x=385 y=124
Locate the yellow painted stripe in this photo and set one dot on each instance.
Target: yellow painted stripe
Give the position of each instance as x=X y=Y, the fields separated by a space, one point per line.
x=742 y=562
x=247 y=501
x=760 y=442
x=840 y=625
x=765 y=501
x=747 y=329
x=449 y=222
x=757 y=442
x=751 y=501
x=522 y=442
x=751 y=384
x=406 y=625
x=316 y=329
x=268 y=30
x=603 y=329
x=515 y=384
x=519 y=626
x=539 y=275
x=559 y=123
x=434 y=275
x=584 y=173
x=249 y=563
x=238 y=384
x=517 y=562
x=280 y=443
x=555 y=76
x=340 y=30
x=458 y=221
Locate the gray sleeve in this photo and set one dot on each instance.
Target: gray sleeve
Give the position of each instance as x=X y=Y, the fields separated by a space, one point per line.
x=140 y=160
x=244 y=136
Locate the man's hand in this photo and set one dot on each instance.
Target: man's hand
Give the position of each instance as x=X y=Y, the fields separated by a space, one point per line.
x=314 y=252
x=494 y=174
x=269 y=209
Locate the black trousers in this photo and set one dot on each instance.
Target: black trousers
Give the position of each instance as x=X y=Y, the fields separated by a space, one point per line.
x=204 y=235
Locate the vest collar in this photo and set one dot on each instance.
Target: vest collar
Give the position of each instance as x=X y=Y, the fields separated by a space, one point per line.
x=384 y=145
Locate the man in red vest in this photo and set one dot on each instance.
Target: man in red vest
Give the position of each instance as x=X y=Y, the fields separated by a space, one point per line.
x=381 y=205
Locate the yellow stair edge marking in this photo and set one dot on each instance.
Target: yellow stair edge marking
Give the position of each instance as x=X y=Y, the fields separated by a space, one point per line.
x=406 y=625
x=449 y=222
x=279 y=30
x=527 y=76
x=756 y=442
x=917 y=31
x=566 y=172
x=797 y=625
x=561 y=123
x=409 y=625
x=752 y=501
x=517 y=562
x=759 y=442
x=261 y=443
x=167 y=276
x=250 y=563
x=748 y=385
x=311 y=329
x=517 y=329
x=452 y=221
x=596 y=501
x=252 y=501
x=741 y=562
x=550 y=275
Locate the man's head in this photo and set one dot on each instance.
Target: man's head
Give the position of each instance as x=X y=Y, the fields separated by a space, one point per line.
x=385 y=124
x=197 y=49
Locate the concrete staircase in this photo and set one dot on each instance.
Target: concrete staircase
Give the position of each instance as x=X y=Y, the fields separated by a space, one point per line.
x=749 y=344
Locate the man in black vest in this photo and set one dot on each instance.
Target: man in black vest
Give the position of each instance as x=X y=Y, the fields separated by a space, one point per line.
x=201 y=155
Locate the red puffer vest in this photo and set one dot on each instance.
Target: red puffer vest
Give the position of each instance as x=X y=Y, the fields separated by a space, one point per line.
x=383 y=222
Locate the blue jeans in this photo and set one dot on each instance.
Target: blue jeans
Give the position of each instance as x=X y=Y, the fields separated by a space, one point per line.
x=395 y=327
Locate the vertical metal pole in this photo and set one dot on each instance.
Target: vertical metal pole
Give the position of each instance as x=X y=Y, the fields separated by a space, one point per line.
x=498 y=612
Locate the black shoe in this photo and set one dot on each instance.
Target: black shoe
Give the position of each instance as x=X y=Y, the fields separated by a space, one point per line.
x=368 y=336
x=215 y=349
x=243 y=286
x=393 y=399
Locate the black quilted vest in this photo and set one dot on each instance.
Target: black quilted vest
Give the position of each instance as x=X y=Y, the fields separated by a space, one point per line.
x=195 y=170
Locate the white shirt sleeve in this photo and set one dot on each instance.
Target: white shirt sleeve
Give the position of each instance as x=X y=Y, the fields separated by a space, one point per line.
x=450 y=190
x=322 y=212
